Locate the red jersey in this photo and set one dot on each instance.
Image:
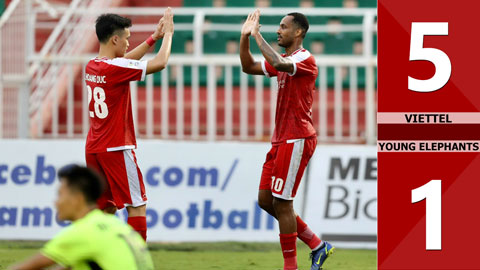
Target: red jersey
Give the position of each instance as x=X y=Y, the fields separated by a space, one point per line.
x=293 y=117
x=109 y=104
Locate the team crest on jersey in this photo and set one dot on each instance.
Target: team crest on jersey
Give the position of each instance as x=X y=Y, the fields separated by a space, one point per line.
x=133 y=63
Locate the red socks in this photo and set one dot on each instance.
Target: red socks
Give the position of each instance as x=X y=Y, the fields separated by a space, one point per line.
x=289 y=250
x=306 y=235
x=139 y=224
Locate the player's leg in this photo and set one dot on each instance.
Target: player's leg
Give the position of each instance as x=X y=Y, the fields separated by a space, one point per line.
x=265 y=201
x=137 y=219
x=265 y=198
x=105 y=202
x=127 y=186
x=288 y=231
x=283 y=188
x=320 y=250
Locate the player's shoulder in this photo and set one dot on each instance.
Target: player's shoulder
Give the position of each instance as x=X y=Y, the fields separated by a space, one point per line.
x=115 y=62
x=302 y=55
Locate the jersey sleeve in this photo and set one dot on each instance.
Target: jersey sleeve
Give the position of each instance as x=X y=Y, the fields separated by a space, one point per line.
x=68 y=248
x=127 y=69
x=303 y=64
x=268 y=69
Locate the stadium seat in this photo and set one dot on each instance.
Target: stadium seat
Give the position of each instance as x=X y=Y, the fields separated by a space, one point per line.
x=197 y=3
x=328 y=3
x=312 y=20
x=243 y=3
x=183 y=19
x=351 y=19
x=338 y=44
x=367 y=3
x=178 y=41
x=285 y=3
x=226 y=19
x=270 y=20
x=2 y=6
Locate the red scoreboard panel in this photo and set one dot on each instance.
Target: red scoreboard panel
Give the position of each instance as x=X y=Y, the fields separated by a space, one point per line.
x=428 y=134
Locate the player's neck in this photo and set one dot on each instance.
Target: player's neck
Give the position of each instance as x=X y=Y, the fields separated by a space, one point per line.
x=106 y=51
x=82 y=212
x=293 y=48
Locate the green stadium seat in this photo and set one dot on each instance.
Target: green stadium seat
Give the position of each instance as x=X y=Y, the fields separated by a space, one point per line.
x=270 y=20
x=183 y=19
x=285 y=3
x=328 y=3
x=178 y=41
x=226 y=19
x=2 y=6
x=317 y=20
x=338 y=44
x=240 y=3
x=197 y=3
x=351 y=19
x=367 y=3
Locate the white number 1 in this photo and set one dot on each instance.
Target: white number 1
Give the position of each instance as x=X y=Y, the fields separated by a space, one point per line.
x=432 y=192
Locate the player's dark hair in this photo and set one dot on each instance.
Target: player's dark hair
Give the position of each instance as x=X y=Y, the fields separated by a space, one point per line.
x=107 y=24
x=301 y=21
x=84 y=180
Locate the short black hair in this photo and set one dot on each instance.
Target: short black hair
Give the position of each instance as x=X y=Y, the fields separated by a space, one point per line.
x=107 y=24
x=301 y=21
x=84 y=180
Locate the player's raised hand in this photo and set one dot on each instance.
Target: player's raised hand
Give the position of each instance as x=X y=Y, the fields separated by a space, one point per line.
x=159 y=32
x=249 y=24
x=168 y=21
x=256 y=22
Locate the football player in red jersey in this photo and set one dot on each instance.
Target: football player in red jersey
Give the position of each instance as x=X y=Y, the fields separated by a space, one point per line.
x=111 y=139
x=294 y=138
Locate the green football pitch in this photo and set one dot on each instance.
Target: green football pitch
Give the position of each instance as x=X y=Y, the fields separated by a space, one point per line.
x=222 y=256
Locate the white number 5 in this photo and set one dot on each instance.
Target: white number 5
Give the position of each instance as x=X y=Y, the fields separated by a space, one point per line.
x=443 y=66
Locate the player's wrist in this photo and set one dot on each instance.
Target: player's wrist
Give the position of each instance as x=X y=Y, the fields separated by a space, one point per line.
x=150 y=41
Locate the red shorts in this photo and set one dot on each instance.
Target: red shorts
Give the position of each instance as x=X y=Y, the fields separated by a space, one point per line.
x=283 y=169
x=124 y=180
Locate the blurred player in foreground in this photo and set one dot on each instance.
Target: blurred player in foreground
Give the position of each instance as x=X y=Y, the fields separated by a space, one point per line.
x=94 y=240
x=294 y=139
x=111 y=139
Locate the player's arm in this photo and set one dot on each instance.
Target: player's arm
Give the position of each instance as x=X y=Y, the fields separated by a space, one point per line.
x=249 y=65
x=38 y=261
x=159 y=62
x=271 y=56
x=142 y=49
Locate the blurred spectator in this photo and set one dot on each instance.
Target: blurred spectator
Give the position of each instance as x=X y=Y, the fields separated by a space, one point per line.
x=219 y=3
x=358 y=47
x=350 y=3
x=336 y=41
x=307 y=4
x=334 y=24
x=317 y=46
x=188 y=46
x=263 y=3
x=232 y=46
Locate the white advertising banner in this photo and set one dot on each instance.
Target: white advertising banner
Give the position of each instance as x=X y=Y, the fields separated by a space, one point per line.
x=196 y=191
x=341 y=202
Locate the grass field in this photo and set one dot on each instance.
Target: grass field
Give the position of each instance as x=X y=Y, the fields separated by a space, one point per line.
x=211 y=256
